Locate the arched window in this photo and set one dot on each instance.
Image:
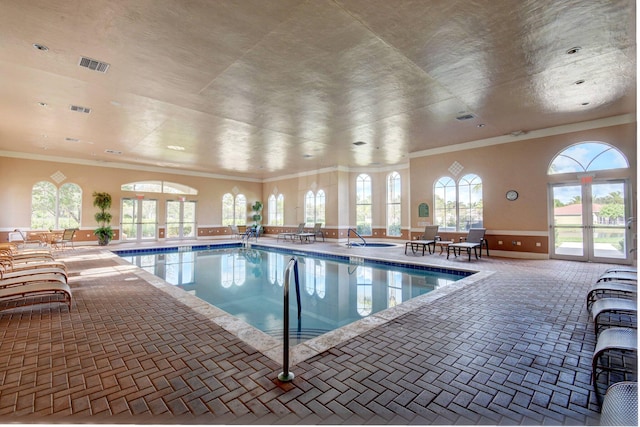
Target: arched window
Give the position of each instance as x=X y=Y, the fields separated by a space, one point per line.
x=233 y=270
x=234 y=209
x=394 y=210
x=314 y=207
x=363 y=205
x=470 y=205
x=588 y=157
x=55 y=208
x=315 y=277
x=276 y=210
x=458 y=206
x=364 y=291
x=445 y=204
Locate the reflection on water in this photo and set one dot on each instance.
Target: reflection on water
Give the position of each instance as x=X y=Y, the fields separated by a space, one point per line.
x=247 y=283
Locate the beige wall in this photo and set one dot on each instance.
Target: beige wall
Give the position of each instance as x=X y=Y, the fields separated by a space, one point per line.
x=517 y=165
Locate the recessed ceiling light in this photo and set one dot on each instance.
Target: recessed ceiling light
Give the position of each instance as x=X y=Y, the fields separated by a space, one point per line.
x=573 y=50
x=358 y=143
x=307 y=156
x=43 y=104
x=481 y=125
x=585 y=103
x=578 y=82
x=175 y=147
x=40 y=47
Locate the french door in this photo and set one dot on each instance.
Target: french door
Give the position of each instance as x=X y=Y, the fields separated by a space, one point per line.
x=139 y=219
x=181 y=219
x=589 y=221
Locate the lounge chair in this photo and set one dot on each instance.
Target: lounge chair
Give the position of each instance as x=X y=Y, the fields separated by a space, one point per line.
x=611 y=289
x=26 y=239
x=292 y=235
x=475 y=239
x=34 y=289
x=235 y=233
x=620 y=405
x=622 y=268
x=37 y=277
x=67 y=238
x=307 y=235
x=626 y=276
x=607 y=312
x=427 y=241
x=37 y=269
x=613 y=341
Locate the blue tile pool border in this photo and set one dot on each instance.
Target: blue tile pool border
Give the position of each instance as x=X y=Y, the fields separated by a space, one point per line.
x=342 y=258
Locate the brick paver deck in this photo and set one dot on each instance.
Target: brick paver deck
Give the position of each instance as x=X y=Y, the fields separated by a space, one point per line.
x=514 y=348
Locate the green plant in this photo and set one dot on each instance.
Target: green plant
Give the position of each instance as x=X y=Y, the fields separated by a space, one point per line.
x=257 y=209
x=104 y=232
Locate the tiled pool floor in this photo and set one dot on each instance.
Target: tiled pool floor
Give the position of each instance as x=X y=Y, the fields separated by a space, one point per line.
x=512 y=346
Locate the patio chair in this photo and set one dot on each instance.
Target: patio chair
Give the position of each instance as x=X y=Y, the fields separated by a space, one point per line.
x=608 y=312
x=31 y=289
x=27 y=239
x=627 y=276
x=290 y=234
x=235 y=233
x=427 y=240
x=67 y=238
x=620 y=405
x=611 y=289
x=307 y=235
x=614 y=341
x=475 y=239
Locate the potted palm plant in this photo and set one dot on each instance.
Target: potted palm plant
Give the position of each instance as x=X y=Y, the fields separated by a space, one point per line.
x=104 y=232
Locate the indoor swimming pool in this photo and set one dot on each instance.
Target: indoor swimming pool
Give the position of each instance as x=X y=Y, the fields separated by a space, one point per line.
x=248 y=283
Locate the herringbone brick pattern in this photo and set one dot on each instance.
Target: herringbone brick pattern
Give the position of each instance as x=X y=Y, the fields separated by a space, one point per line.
x=511 y=349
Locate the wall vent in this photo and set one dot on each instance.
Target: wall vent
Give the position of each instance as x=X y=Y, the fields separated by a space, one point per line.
x=80 y=109
x=465 y=117
x=108 y=151
x=93 y=64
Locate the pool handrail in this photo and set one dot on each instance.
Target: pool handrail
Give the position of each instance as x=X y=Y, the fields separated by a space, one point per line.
x=356 y=233
x=286 y=375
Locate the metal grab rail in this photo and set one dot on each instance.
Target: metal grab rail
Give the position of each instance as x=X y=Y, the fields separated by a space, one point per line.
x=286 y=375
x=356 y=233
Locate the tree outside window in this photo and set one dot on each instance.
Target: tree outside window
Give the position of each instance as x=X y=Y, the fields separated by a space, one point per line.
x=458 y=206
x=53 y=208
x=234 y=209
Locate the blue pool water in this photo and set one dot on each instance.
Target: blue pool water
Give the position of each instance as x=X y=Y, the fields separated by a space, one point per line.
x=248 y=284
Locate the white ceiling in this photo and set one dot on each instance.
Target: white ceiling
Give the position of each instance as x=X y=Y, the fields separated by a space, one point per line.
x=260 y=89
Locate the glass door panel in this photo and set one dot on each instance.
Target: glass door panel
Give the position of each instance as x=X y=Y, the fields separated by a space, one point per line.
x=149 y=219
x=181 y=219
x=589 y=221
x=139 y=219
x=567 y=222
x=128 y=223
x=609 y=215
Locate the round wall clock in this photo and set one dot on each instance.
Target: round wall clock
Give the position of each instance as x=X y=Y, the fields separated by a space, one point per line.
x=512 y=195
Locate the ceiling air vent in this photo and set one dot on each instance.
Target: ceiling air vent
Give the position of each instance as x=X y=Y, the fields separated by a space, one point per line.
x=80 y=109
x=108 y=151
x=93 y=64
x=465 y=117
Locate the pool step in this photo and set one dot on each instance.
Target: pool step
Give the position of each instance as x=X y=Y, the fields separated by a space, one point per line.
x=298 y=335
